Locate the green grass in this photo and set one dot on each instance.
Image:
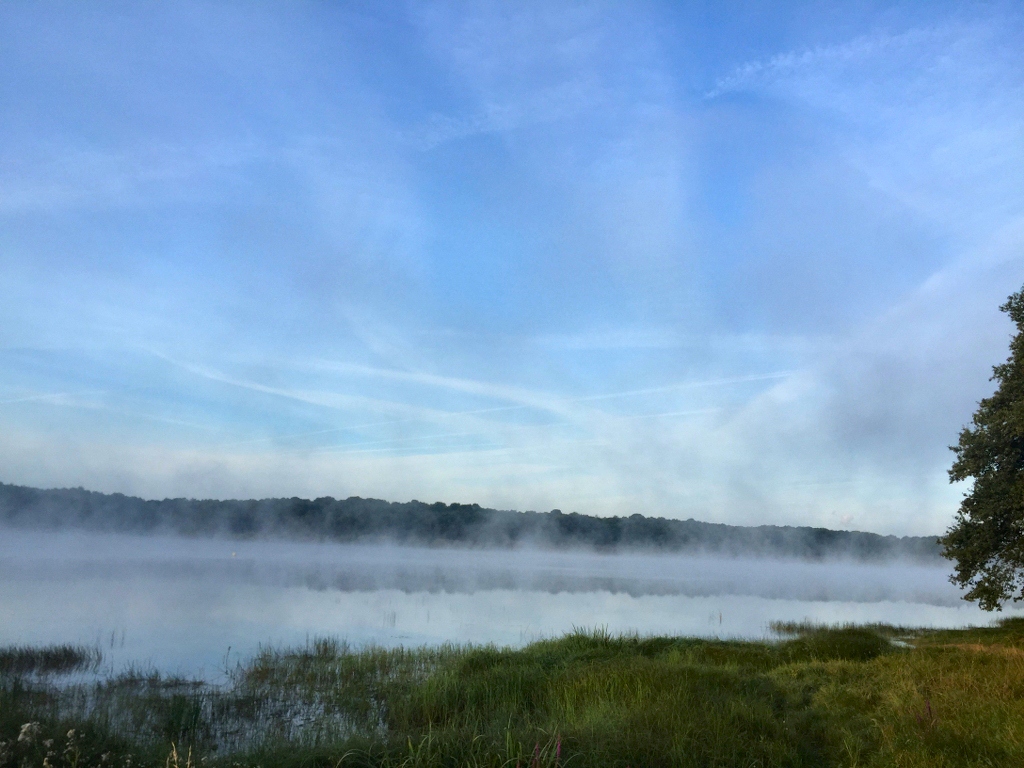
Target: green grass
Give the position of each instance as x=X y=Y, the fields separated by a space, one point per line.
x=819 y=696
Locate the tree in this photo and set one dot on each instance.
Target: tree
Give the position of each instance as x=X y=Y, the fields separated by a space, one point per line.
x=987 y=537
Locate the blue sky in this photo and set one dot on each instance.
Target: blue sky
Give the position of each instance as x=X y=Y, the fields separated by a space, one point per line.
x=738 y=262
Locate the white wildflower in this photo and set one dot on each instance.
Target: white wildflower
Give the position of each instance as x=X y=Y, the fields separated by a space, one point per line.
x=29 y=732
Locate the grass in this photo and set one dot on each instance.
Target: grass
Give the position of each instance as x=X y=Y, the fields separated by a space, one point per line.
x=820 y=696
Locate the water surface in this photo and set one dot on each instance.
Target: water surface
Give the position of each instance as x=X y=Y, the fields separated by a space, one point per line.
x=194 y=606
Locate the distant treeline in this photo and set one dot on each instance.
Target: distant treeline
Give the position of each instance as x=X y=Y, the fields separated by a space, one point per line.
x=416 y=522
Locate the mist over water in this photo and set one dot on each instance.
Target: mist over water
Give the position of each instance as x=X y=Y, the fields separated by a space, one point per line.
x=191 y=606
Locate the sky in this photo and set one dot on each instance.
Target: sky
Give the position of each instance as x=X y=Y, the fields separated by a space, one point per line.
x=740 y=262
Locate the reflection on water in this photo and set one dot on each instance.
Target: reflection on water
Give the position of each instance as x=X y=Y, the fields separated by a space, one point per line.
x=193 y=606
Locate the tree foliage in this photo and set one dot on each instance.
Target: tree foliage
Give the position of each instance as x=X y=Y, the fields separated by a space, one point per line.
x=437 y=524
x=987 y=537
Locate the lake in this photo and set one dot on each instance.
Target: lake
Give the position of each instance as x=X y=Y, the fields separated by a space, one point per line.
x=194 y=606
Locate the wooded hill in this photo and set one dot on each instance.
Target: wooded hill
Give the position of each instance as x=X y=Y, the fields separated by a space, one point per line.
x=438 y=524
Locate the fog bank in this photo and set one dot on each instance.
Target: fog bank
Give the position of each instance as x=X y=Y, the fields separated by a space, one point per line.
x=418 y=523
x=77 y=556
x=192 y=606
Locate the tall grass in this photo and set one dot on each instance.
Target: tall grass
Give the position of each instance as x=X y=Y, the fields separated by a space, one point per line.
x=819 y=696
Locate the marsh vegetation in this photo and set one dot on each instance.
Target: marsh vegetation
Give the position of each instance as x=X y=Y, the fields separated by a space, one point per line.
x=24 y=659
x=833 y=696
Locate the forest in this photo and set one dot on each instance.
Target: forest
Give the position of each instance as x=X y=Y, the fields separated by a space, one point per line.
x=436 y=524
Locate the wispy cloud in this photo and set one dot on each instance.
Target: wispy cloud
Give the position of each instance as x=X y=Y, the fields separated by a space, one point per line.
x=49 y=396
x=545 y=105
x=55 y=177
x=810 y=61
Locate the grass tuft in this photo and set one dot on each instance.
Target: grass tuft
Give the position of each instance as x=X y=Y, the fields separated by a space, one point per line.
x=819 y=696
